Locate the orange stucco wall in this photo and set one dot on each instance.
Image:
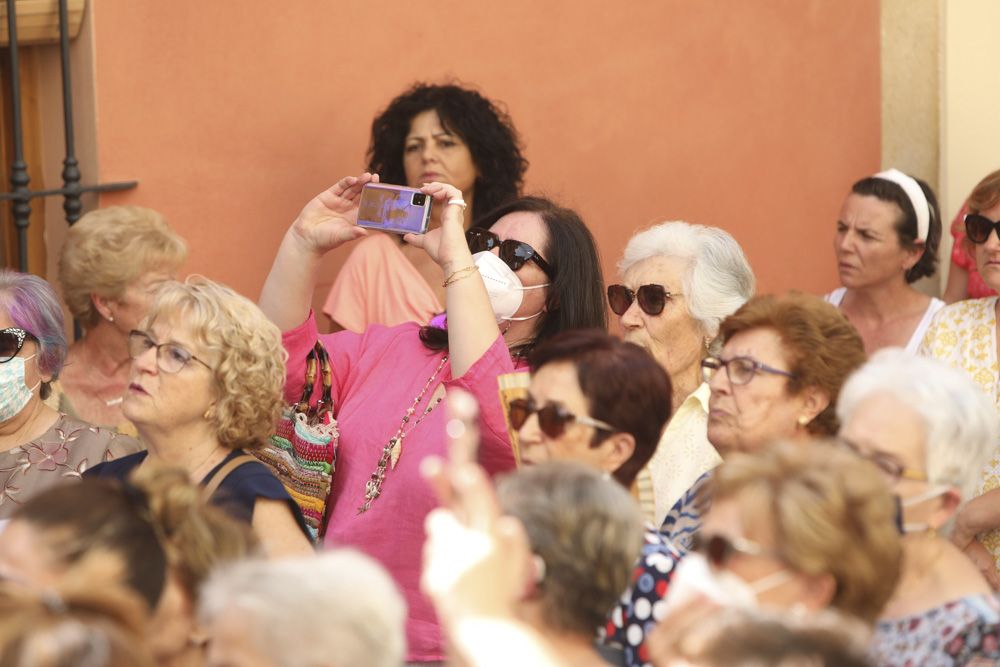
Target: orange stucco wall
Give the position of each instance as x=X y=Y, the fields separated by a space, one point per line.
x=754 y=115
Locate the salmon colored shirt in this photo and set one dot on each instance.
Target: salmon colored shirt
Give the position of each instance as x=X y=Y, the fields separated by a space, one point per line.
x=376 y=376
x=379 y=285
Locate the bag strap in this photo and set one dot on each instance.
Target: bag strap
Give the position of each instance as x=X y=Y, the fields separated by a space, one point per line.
x=219 y=477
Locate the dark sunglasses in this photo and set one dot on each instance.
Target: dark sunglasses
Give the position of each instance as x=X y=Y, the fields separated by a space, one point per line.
x=513 y=253
x=652 y=298
x=11 y=341
x=552 y=419
x=978 y=227
x=719 y=550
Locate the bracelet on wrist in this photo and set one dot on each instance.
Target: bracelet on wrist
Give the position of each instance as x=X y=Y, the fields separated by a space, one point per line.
x=458 y=275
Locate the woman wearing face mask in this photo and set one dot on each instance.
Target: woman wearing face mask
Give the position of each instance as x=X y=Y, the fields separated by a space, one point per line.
x=930 y=430
x=782 y=364
x=39 y=447
x=533 y=273
x=887 y=238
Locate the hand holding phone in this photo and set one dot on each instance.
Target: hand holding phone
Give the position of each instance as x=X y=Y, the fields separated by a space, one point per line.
x=394 y=208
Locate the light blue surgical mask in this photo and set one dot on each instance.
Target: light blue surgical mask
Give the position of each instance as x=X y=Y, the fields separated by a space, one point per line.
x=14 y=393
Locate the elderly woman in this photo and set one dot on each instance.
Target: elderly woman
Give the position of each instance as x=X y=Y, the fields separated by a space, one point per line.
x=778 y=375
x=679 y=281
x=887 y=238
x=206 y=379
x=39 y=446
x=156 y=537
x=109 y=268
x=602 y=402
x=964 y=335
x=532 y=274
x=253 y=612
x=442 y=133
x=930 y=429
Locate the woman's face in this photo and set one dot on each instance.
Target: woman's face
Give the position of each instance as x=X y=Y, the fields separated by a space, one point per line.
x=431 y=153
x=25 y=558
x=528 y=228
x=230 y=645
x=746 y=417
x=987 y=254
x=674 y=338
x=867 y=244
x=132 y=308
x=33 y=375
x=557 y=384
x=159 y=399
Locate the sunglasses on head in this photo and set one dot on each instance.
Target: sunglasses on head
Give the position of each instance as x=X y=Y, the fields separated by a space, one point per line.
x=513 y=253
x=978 y=227
x=11 y=341
x=652 y=298
x=552 y=419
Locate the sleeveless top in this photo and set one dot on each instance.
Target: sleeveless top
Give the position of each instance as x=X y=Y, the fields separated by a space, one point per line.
x=837 y=295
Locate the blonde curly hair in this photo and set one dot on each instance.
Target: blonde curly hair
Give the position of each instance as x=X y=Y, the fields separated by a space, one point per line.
x=109 y=249
x=250 y=372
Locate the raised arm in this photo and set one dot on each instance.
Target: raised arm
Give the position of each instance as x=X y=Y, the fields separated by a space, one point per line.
x=326 y=222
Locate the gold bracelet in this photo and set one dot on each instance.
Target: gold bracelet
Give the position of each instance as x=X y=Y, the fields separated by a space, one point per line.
x=458 y=275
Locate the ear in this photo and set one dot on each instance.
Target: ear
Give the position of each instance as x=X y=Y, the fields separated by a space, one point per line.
x=948 y=508
x=103 y=307
x=818 y=591
x=813 y=401
x=914 y=254
x=618 y=448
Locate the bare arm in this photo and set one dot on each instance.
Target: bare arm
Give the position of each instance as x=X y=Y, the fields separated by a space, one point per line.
x=326 y=222
x=979 y=515
x=958 y=284
x=277 y=529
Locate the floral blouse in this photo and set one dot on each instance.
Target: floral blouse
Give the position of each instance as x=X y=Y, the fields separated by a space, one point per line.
x=961 y=632
x=64 y=451
x=964 y=335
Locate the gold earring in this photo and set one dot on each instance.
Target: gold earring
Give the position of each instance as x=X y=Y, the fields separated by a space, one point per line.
x=208 y=414
x=803 y=420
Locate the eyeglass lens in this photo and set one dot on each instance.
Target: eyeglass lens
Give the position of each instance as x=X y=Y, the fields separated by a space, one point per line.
x=978 y=228
x=652 y=298
x=11 y=343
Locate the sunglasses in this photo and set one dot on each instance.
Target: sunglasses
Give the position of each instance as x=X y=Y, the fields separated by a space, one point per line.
x=978 y=227
x=652 y=298
x=513 y=253
x=170 y=357
x=739 y=370
x=719 y=550
x=11 y=341
x=552 y=419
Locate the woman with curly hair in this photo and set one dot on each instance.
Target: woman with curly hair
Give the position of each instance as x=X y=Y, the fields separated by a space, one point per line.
x=206 y=384
x=442 y=133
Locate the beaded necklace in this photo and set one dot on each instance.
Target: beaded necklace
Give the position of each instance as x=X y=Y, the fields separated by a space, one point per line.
x=393 y=448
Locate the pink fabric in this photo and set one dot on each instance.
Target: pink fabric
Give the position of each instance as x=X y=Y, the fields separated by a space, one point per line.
x=376 y=376
x=378 y=285
x=977 y=287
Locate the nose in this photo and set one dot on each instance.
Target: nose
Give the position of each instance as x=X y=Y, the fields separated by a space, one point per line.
x=632 y=317
x=429 y=152
x=530 y=433
x=146 y=362
x=844 y=240
x=720 y=382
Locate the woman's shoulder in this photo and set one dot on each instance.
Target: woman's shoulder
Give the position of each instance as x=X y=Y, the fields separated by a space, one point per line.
x=117 y=468
x=966 y=310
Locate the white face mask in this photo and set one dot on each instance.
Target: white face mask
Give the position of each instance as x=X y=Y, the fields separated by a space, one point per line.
x=929 y=494
x=695 y=577
x=14 y=393
x=504 y=287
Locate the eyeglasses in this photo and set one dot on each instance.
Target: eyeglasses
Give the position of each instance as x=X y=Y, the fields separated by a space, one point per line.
x=552 y=419
x=978 y=227
x=170 y=357
x=513 y=253
x=11 y=341
x=719 y=550
x=887 y=463
x=652 y=298
x=739 y=370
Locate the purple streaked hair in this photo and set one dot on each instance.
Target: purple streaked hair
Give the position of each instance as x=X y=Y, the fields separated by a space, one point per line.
x=32 y=305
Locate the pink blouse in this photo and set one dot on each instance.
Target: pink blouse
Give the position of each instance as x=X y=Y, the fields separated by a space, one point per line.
x=376 y=376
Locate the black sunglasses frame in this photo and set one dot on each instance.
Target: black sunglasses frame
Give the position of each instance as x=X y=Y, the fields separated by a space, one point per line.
x=974 y=221
x=552 y=419
x=513 y=253
x=21 y=335
x=652 y=298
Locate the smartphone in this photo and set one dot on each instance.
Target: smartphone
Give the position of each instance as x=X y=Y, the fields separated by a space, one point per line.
x=394 y=208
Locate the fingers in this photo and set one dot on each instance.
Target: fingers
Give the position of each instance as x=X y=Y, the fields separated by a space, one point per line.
x=474 y=500
x=441 y=191
x=415 y=240
x=433 y=470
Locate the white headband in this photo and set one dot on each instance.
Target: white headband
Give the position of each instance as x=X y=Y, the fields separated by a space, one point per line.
x=916 y=196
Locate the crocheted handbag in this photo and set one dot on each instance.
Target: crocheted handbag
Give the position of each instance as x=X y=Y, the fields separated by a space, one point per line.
x=303 y=450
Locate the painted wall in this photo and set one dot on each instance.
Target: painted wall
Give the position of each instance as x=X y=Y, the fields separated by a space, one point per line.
x=754 y=116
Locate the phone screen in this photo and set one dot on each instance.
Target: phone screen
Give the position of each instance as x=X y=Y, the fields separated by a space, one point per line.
x=393 y=208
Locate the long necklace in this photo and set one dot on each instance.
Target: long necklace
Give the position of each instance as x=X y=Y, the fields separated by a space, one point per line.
x=393 y=448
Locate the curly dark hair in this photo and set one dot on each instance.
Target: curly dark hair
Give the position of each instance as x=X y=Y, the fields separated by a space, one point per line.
x=906 y=226
x=481 y=123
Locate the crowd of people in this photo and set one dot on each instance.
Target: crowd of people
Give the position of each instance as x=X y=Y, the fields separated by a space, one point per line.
x=729 y=478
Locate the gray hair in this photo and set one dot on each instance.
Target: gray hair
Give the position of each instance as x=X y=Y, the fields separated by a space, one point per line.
x=963 y=428
x=304 y=611
x=718 y=279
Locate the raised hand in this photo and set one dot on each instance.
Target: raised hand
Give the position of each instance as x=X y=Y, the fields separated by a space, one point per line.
x=330 y=218
x=446 y=245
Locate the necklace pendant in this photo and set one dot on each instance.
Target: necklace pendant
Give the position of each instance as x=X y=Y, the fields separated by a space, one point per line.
x=397 y=449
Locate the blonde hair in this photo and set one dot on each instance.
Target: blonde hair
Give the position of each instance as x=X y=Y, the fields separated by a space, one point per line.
x=250 y=371
x=109 y=249
x=830 y=512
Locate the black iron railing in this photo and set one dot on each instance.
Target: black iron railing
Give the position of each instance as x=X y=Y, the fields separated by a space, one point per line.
x=20 y=195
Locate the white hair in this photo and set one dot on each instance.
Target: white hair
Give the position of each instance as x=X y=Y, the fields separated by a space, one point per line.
x=308 y=610
x=963 y=428
x=718 y=279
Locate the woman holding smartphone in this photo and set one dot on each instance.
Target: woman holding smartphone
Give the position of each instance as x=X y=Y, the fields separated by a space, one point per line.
x=446 y=134
x=540 y=264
